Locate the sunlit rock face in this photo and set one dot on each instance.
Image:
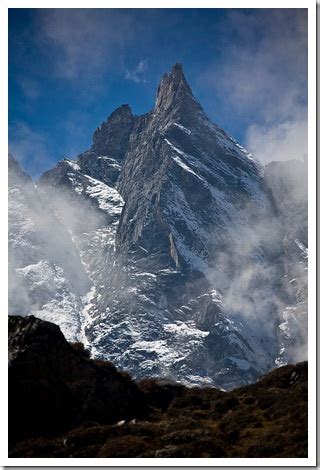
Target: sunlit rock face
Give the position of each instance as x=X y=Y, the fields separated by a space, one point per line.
x=183 y=244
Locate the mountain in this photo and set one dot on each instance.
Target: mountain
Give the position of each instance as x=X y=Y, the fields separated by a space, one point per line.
x=182 y=239
x=64 y=404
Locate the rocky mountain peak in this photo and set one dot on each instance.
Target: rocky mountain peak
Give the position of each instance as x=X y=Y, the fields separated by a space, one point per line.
x=177 y=74
x=122 y=112
x=111 y=138
x=175 y=93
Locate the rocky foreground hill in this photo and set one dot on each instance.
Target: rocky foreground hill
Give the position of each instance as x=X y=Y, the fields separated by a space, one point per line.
x=64 y=404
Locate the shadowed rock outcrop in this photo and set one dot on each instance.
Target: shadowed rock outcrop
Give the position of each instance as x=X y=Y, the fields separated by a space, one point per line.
x=52 y=386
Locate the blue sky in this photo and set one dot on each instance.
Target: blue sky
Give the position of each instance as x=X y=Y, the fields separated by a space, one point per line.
x=69 y=69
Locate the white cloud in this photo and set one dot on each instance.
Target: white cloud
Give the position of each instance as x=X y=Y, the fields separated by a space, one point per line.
x=137 y=74
x=281 y=141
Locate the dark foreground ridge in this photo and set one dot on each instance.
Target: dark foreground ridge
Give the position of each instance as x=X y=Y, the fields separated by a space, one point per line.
x=64 y=404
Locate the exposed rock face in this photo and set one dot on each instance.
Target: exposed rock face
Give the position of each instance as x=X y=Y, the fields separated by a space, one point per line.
x=110 y=144
x=181 y=174
x=53 y=387
x=62 y=404
x=182 y=240
x=103 y=160
x=112 y=137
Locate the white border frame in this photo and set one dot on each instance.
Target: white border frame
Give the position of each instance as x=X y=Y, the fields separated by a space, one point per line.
x=164 y=462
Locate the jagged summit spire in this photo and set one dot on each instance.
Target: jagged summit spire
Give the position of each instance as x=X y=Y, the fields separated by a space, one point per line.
x=111 y=138
x=174 y=91
x=177 y=70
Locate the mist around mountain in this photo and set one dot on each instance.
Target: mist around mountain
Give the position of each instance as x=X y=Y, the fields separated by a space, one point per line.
x=166 y=247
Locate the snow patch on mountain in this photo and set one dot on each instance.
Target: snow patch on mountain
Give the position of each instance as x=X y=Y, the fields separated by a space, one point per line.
x=185 y=329
x=184 y=129
x=108 y=198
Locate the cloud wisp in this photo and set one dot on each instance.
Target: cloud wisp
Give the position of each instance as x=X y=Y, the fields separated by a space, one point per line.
x=286 y=140
x=84 y=41
x=261 y=272
x=138 y=74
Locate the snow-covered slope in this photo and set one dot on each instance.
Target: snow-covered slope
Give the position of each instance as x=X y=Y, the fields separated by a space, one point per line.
x=46 y=276
x=182 y=241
